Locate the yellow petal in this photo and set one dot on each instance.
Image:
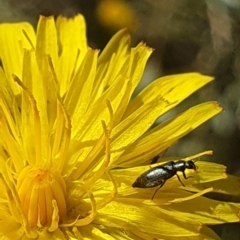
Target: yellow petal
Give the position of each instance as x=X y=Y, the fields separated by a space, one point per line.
x=229 y=186
x=10 y=228
x=129 y=130
x=91 y=232
x=165 y=134
x=209 y=234
x=31 y=71
x=119 y=43
x=173 y=88
x=78 y=96
x=12 y=45
x=132 y=217
x=206 y=210
x=73 y=45
x=47 y=42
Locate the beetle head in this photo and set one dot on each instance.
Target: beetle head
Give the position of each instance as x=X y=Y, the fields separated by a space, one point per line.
x=191 y=165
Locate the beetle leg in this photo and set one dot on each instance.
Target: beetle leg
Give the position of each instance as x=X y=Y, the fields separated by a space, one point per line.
x=180 y=179
x=184 y=175
x=158 y=188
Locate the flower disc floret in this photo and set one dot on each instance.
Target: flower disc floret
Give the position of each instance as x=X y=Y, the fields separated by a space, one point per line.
x=42 y=194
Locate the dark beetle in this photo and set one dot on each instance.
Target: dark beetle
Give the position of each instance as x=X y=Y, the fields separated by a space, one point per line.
x=158 y=175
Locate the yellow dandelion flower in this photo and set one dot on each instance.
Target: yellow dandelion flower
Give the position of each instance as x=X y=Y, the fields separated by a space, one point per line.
x=73 y=141
x=116 y=14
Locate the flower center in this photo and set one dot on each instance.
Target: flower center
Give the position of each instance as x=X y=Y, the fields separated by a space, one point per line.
x=42 y=194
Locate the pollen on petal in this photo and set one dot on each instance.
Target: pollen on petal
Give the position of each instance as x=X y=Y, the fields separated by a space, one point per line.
x=41 y=190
